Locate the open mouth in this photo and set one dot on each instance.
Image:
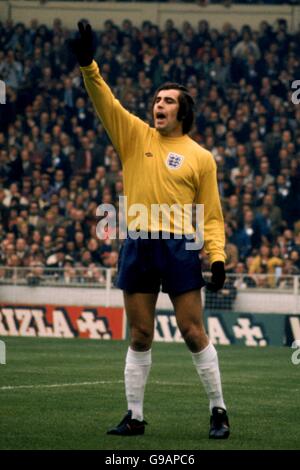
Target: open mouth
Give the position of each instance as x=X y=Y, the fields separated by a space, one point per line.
x=160 y=116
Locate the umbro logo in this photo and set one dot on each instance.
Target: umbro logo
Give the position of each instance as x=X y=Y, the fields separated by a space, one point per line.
x=148 y=154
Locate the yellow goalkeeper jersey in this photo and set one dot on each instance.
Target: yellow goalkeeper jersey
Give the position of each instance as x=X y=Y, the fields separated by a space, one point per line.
x=160 y=173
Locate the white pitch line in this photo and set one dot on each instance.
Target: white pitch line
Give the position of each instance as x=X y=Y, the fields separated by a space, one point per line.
x=83 y=384
x=75 y=384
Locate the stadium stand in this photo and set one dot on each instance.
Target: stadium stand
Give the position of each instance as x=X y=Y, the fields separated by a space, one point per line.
x=57 y=164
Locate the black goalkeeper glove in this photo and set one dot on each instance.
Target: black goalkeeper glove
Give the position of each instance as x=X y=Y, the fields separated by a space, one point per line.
x=218 y=276
x=82 y=47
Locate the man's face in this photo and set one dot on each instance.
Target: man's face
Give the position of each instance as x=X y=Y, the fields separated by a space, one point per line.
x=165 y=112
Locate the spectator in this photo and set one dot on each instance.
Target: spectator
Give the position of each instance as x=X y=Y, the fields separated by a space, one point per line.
x=248 y=236
x=230 y=250
x=246 y=46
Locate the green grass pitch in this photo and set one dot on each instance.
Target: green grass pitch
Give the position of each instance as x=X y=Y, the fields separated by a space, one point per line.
x=64 y=394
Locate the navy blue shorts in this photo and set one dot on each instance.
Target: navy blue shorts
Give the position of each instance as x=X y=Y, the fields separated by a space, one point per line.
x=145 y=265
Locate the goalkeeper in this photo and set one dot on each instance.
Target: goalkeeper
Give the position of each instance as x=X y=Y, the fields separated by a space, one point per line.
x=162 y=165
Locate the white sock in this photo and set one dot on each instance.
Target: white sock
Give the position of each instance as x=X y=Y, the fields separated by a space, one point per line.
x=207 y=365
x=137 y=369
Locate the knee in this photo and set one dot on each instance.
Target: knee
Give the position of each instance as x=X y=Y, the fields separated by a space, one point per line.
x=194 y=336
x=141 y=338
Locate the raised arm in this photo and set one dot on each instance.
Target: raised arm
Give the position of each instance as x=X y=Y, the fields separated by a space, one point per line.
x=121 y=126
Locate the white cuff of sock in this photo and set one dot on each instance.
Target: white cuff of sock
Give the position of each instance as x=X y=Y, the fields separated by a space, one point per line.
x=141 y=358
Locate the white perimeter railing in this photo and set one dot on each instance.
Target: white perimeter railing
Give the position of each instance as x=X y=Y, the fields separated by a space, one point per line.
x=242 y=292
x=98 y=276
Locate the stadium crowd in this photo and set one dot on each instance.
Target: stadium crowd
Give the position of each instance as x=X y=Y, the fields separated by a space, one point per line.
x=57 y=163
